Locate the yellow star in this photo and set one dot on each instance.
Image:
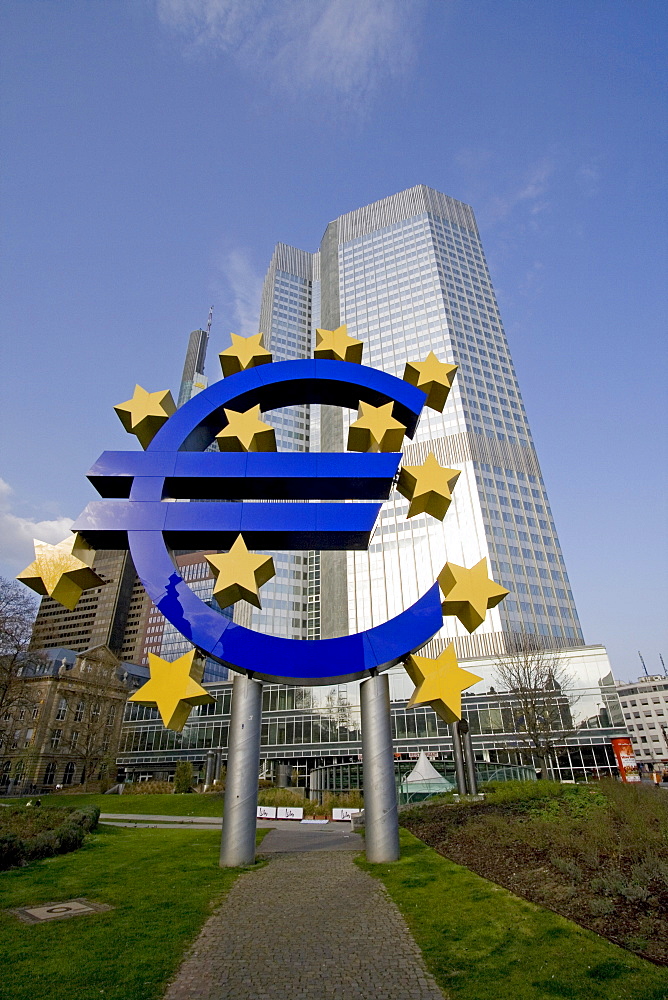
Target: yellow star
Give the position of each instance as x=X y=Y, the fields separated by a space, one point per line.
x=336 y=345
x=62 y=571
x=375 y=429
x=439 y=683
x=432 y=376
x=429 y=487
x=245 y=352
x=145 y=413
x=240 y=574
x=246 y=432
x=468 y=593
x=174 y=688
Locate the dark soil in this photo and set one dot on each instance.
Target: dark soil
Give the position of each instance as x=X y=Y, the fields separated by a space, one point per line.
x=603 y=886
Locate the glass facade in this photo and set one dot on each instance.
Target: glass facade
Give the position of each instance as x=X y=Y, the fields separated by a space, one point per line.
x=317 y=727
x=286 y=319
x=407 y=286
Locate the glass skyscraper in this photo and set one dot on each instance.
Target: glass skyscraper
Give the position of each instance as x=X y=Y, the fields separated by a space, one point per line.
x=408 y=276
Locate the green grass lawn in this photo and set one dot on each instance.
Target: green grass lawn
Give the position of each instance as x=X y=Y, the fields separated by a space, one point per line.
x=162 y=885
x=158 y=805
x=483 y=943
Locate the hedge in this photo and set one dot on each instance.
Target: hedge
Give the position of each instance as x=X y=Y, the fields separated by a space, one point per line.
x=16 y=850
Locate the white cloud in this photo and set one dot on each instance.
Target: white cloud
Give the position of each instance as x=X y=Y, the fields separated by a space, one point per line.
x=240 y=288
x=17 y=533
x=344 y=47
x=530 y=193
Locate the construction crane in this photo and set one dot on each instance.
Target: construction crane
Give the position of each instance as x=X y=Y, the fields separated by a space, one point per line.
x=643 y=664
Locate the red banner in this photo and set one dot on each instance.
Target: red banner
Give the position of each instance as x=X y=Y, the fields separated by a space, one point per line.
x=626 y=758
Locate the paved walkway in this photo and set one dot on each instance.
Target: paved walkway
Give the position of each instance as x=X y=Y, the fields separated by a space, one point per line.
x=308 y=926
x=292 y=837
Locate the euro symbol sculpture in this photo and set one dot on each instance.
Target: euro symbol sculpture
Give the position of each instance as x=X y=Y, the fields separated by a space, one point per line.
x=175 y=466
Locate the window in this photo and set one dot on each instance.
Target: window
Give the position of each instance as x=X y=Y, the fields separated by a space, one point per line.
x=79 y=712
x=35 y=713
x=50 y=773
x=56 y=737
x=95 y=711
x=74 y=738
x=61 y=711
x=68 y=776
x=111 y=715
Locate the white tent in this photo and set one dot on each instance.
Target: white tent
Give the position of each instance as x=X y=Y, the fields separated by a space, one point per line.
x=424 y=780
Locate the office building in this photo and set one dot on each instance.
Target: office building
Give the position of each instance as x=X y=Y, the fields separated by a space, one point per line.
x=65 y=725
x=193 y=379
x=645 y=707
x=112 y=615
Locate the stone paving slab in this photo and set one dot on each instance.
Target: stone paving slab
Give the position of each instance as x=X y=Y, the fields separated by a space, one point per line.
x=307 y=926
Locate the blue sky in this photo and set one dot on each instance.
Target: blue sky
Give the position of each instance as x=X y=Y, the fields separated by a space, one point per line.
x=155 y=150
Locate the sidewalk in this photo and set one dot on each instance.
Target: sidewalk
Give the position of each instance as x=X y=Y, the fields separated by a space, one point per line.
x=307 y=926
x=155 y=822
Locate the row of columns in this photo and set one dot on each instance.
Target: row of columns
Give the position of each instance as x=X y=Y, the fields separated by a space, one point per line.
x=381 y=819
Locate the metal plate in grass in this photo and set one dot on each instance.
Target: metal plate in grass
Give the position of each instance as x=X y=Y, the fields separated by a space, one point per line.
x=58 y=911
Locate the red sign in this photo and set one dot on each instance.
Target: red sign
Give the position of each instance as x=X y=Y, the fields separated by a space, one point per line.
x=626 y=758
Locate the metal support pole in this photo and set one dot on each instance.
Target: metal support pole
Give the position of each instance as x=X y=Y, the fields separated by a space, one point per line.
x=459 y=758
x=283 y=775
x=243 y=764
x=470 y=758
x=381 y=820
x=210 y=766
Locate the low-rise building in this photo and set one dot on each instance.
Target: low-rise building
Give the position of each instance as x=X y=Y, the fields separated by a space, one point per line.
x=66 y=728
x=645 y=706
x=307 y=728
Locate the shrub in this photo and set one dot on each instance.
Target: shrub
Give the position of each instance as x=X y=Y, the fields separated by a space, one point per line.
x=11 y=850
x=345 y=800
x=149 y=788
x=43 y=833
x=286 y=797
x=569 y=868
x=43 y=846
x=599 y=907
x=183 y=777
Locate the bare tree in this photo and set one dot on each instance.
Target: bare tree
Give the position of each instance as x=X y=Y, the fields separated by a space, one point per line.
x=538 y=682
x=17 y=615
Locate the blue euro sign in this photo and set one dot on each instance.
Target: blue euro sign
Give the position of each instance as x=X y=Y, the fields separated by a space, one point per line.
x=175 y=466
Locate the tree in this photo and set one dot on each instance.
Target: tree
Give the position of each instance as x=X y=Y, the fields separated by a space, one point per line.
x=538 y=681
x=183 y=777
x=17 y=615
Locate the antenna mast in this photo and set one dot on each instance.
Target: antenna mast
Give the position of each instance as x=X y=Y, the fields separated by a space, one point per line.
x=643 y=663
x=665 y=672
x=208 y=324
